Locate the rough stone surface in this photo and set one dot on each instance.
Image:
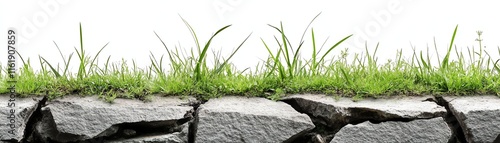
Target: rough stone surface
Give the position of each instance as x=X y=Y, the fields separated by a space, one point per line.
x=76 y=118
x=418 y=131
x=250 y=120
x=336 y=113
x=23 y=109
x=479 y=117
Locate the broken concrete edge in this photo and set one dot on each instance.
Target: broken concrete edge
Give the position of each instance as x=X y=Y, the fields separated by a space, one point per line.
x=451 y=119
x=478 y=116
x=319 y=121
x=19 y=112
x=37 y=114
x=249 y=119
x=34 y=118
x=192 y=123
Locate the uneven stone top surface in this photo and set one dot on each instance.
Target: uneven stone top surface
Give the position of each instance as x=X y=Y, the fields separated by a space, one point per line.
x=250 y=120
x=418 y=131
x=407 y=106
x=473 y=103
x=246 y=105
x=157 y=101
x=479 y=116
x=20 y=102
x=89 y=116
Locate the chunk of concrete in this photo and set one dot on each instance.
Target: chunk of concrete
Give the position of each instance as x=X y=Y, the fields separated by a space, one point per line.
x=251 y=120
x=337 y=113
x=14 y=115
x=81 y=118
x=479 y=117
x=418 y=131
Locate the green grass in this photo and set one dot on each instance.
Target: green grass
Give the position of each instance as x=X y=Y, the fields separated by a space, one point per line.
x=283 y=72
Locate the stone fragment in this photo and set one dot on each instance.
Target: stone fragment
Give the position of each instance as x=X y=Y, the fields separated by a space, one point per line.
x=418 y=131
x=250 y=120
x=479 y=117
x=14 y=115
x=337 y=113
x=82 y=118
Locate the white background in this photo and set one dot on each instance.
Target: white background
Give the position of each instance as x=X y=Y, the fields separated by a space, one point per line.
x=129 y=24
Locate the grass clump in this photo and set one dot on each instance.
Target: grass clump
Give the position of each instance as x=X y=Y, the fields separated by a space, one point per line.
x=283 y=72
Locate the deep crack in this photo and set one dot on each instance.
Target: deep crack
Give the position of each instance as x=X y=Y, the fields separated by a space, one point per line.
x=458 y=133
x=118 y=131
x=137 y=129
x=327 y=131
x=36 y=116
x=321 y=133
x=193 y=124
x=497 y=140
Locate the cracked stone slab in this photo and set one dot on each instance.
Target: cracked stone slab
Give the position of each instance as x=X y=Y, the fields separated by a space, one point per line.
x=336 y=113
x=479 y=116
x=417 y=131
x=176 y=137
x=168 y=138
x=251 y=120
x=79 y=118
x=14 y=115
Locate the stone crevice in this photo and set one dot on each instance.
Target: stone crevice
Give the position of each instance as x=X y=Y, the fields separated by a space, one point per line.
x=458 y=135
x=339 y=117
x=41 y=126
x=35 y=117
x=324 y=133
x=193 y=122
x=321 y=133
x=321 y=119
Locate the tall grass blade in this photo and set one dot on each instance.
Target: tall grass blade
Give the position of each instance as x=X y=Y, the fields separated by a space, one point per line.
x=232 y=54
x=193 y=34
x=445 y=63
x=56 y=73
x=201 y=57
x=81 y=55
x=95 y=57
x=333 y=47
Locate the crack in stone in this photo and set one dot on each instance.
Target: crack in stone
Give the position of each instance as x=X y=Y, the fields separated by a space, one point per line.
x=34 y=118
x=320 y=129
x=497 y=140
x=322 y=133
x=458 y=133
x=118 y=131
x=327 y=132
x=193 y=124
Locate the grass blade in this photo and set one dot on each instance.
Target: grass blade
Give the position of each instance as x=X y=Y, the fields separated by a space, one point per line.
x=201 y=57
x=232 y=54
x=56 y=73
x=445 y=63
x=333 y=47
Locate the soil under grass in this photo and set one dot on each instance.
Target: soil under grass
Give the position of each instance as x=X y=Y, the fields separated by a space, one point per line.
x=284 y=72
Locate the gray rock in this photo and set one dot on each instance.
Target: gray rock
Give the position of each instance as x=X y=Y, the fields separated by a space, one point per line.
x=76 y=118
x=250 y=120
x=12 y=125
x=336 y=113
x=479 y=117
x=418 y=131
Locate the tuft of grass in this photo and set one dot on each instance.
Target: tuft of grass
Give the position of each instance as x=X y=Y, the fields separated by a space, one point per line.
x=283 y=72
x=195 y=66
x=291 y=65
